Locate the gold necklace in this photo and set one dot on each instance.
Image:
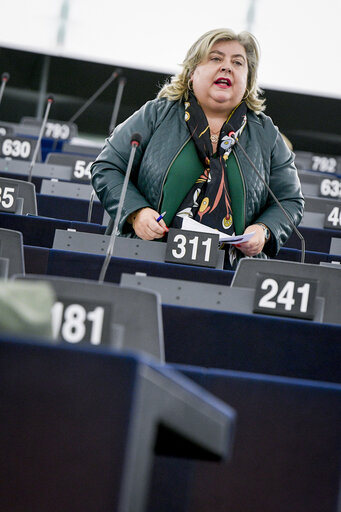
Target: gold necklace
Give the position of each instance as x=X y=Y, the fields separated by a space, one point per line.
x=214 y=137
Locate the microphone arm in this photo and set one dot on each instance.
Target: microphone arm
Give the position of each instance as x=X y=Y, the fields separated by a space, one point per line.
x=42 y=129
x=91 y=202
x=95 y=95
x=4 y=80
x=300 y=236
x=121 y=85
x=135 y=142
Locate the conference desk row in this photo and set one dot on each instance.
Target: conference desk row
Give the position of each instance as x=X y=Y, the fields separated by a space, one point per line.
x=268 y=340
x=187 y=330
x=281 y=376
x=66 y=411
x=208 y=337
x=40 y=230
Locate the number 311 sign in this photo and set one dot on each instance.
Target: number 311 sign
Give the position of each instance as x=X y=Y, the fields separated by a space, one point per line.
x=192 y=248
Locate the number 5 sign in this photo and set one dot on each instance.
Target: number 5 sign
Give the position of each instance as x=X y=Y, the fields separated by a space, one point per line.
x=8 y=196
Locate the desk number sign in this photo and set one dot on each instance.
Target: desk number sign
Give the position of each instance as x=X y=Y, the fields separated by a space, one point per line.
x=324 y=163
x=16 y=147
x=192 y=248
x=81 y=169
x=330 y=188
x=285 y=296
x=8 y=196
x=81 y=322
x=55 y=130
x=332 y=219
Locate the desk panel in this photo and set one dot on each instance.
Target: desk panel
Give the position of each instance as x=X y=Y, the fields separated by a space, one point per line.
x=286 y=455
x=252 y=343
x=68 y=209
x=88 y=266
x=39 y=231
x=79 y=428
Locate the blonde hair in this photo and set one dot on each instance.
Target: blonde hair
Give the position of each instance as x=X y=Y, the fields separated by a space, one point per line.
x=179 y=85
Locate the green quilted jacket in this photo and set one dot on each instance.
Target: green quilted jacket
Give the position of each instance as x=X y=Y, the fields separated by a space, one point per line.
x=164 y=133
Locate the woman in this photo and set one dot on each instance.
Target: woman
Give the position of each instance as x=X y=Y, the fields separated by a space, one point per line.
x=187 y=165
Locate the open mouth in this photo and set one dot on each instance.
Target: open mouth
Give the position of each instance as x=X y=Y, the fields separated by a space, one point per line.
x=223 y=82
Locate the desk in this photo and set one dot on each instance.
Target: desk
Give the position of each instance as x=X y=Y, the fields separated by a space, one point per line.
x=88 y=266
x=39 y=231
x=78 y=428
x=286 y=456
x=252 y=343
x=68 y=209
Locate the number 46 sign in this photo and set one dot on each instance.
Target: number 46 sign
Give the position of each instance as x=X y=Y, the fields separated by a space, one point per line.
x=332 y=218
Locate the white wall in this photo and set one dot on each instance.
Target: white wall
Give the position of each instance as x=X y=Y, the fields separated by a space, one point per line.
x=299 y=38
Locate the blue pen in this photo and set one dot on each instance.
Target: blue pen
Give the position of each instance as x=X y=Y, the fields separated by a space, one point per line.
x=161 y=216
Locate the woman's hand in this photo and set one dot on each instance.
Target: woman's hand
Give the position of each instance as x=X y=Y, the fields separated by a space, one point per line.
x=145 y=225
x=256 y=243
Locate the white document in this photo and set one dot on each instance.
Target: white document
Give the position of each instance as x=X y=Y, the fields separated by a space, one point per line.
x=192 y=225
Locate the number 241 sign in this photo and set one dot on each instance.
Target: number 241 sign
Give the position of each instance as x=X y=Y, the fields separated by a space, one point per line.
x=285 y=296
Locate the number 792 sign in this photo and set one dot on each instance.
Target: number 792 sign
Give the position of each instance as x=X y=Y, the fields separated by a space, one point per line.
x=285 y=296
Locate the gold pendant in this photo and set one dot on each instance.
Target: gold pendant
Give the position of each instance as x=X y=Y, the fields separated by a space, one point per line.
x=214 y=139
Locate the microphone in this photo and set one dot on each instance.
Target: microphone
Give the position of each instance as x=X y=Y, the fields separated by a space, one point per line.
x=232 y=134
x=4 y=79
x=50 y=100
x=82 y=109
x=135 y=141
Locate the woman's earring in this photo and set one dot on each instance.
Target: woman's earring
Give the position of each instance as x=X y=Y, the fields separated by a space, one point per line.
x=189 y=84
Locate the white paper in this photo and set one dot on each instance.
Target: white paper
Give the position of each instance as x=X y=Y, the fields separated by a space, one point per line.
x=192 y=225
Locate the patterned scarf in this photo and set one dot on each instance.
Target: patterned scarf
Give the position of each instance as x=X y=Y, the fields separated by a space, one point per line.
x=208 y=201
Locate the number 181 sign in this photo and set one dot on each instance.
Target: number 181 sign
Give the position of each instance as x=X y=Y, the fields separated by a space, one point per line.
x=80 y=322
